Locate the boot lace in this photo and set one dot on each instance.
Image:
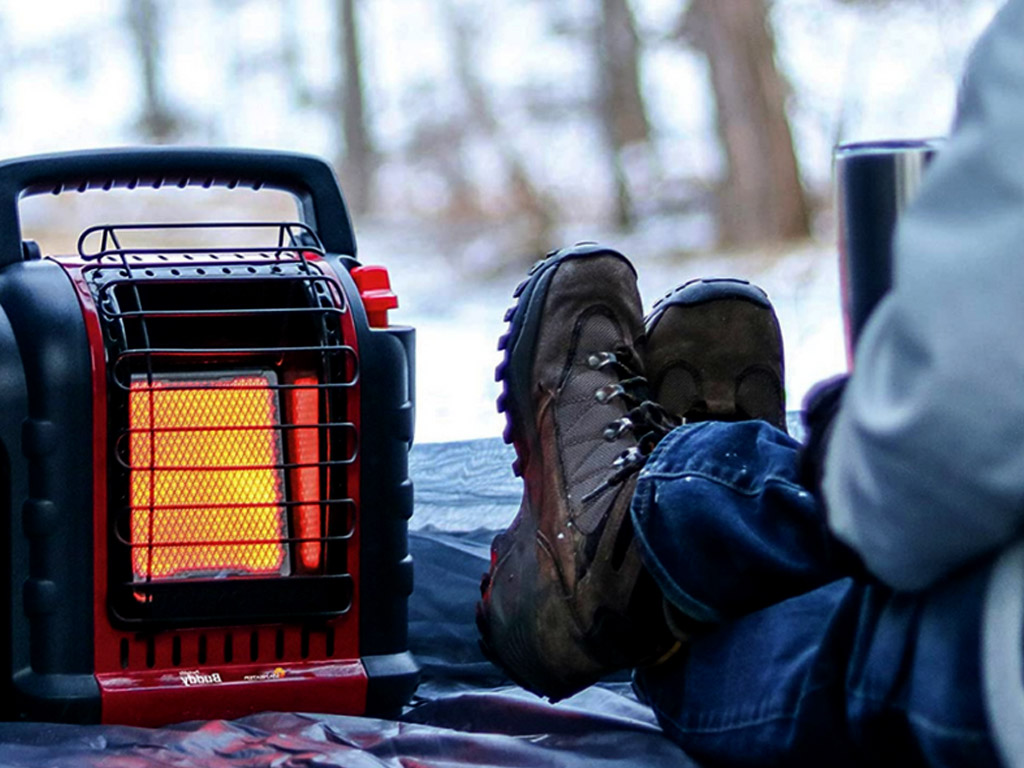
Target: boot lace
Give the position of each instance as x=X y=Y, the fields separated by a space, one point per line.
x=646 y=420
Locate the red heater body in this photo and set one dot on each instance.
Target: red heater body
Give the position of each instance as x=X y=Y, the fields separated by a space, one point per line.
x=204 y=457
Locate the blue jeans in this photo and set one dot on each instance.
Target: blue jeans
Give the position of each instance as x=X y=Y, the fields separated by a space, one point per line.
x=806 y=660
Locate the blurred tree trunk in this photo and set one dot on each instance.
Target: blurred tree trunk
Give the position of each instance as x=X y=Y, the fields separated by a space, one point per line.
x=622 y=112
x=761 y=199
x=291 y=54
x=156 y=122
x=529 y=200
x=358 y=162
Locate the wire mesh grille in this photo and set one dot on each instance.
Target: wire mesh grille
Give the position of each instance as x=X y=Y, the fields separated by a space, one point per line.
x=206 y=483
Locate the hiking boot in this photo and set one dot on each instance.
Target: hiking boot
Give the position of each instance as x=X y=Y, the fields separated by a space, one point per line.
x=714 y=352
x=566 y=600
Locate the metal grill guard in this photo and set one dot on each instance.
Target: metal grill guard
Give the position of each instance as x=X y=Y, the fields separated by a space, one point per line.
x=238 y=540
x=270 y=324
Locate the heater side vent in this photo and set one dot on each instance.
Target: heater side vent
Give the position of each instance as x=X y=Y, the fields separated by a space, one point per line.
x=215 y=648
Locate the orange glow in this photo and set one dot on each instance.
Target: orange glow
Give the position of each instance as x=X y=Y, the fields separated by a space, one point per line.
x=304 y=448
x=204 y=457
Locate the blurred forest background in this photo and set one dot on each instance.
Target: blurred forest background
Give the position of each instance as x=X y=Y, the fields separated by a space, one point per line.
x=505 y=120
x=471 y=136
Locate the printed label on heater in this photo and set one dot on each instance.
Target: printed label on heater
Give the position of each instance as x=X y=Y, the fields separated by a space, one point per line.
x=271 y=674
x=191 y=677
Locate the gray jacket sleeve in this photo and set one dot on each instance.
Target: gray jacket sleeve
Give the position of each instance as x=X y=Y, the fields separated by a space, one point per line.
x=925 y=468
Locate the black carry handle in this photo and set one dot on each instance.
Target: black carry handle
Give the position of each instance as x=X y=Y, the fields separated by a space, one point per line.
x=310 y=179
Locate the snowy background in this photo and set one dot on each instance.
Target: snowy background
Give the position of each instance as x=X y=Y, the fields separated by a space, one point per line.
x=254 y=72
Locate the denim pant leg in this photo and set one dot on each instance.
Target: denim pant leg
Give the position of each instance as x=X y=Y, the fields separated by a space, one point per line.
x=725 y=525
x=833 y=671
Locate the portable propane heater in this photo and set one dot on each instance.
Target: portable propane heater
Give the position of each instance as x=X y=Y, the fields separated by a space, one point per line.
x=204 y=457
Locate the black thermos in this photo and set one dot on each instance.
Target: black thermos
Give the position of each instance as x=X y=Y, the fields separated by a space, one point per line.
x=874 y=183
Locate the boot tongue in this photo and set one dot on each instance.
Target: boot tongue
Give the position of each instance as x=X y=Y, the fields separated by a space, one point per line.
x=587 y=457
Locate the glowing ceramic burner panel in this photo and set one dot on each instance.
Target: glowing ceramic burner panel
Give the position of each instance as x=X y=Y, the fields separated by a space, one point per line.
x=304 y=448
x=206 y=477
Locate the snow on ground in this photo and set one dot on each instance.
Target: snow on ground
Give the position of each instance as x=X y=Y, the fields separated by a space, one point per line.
x=458 y=318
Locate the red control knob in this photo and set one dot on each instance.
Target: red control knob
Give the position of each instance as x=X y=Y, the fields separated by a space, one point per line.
x=375 y=290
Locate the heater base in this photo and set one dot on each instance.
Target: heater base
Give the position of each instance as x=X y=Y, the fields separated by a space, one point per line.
x=164 y=696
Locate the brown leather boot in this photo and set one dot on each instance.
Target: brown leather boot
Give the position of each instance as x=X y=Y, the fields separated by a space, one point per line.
x=714 y=352
x=566 y=600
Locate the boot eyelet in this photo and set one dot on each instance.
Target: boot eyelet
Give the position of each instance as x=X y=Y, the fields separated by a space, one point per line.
x=615 y=430
x=599 y=360
x=607 y=392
